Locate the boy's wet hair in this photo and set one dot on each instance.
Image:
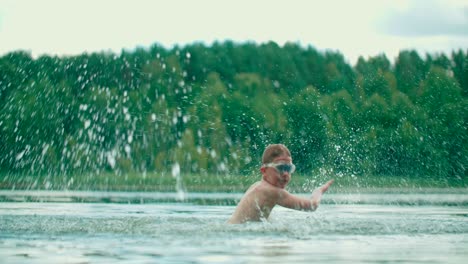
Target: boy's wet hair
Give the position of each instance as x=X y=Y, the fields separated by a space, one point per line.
x=273 y=151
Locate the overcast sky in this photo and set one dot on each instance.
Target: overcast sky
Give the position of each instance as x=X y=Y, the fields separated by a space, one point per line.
x=354 y=28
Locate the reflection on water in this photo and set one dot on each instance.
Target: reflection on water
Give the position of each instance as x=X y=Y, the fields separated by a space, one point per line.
x=113 y=227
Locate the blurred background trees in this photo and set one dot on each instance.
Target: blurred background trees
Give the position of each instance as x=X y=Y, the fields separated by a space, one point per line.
x=213 y=109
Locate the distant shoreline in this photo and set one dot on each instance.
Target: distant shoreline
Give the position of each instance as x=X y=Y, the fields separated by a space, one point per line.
x=219 y=183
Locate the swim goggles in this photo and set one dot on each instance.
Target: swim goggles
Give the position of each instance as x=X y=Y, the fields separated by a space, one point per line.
x=281 y=167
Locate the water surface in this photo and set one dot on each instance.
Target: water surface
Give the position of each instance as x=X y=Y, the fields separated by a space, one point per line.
x=119 y=227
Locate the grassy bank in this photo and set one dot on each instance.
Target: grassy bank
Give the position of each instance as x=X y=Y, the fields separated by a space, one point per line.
x=165 y=182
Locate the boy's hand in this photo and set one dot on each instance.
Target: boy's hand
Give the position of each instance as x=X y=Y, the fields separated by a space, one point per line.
x=317 y=194
x=324 y=187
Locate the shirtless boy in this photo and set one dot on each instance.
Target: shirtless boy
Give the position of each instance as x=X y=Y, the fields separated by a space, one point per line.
x=262 y=196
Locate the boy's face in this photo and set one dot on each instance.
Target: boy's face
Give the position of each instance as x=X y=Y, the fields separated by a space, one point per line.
x=278 y=178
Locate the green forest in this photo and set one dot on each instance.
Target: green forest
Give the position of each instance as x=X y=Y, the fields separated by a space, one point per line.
x=211 y=109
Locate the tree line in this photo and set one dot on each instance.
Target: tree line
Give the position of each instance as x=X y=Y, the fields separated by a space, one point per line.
x=213 y=109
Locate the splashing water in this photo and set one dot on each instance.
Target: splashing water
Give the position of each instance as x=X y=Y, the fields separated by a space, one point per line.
x=179 y=184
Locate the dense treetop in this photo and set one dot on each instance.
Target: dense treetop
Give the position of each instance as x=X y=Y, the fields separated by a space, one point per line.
x=212 y=109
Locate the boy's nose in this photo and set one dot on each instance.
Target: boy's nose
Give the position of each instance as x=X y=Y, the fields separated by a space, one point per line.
x=285 y=174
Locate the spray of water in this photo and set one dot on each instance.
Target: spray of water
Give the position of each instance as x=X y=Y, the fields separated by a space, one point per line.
x=179 y=187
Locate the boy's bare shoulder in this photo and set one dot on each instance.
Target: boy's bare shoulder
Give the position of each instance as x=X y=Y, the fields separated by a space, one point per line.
x=268 y=190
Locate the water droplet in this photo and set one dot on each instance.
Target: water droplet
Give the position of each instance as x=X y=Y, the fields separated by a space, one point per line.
x=111 y=158
x=175 y=170
x=20 y=155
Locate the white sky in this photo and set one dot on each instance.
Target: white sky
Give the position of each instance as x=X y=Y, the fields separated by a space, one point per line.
x=359 y=27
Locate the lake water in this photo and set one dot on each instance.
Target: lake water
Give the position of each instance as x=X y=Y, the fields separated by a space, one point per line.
x=430 y=226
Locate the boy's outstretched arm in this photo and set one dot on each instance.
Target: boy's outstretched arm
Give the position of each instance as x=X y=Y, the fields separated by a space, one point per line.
x=293 y=202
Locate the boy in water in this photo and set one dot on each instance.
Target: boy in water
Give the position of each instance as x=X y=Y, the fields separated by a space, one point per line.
x=262 y=196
